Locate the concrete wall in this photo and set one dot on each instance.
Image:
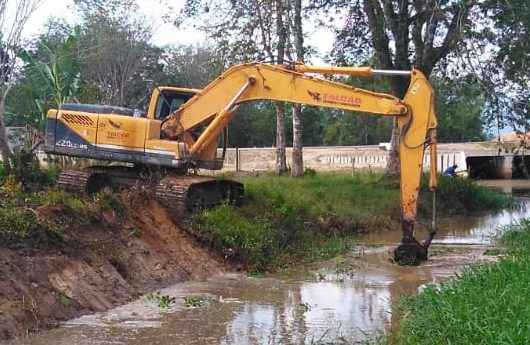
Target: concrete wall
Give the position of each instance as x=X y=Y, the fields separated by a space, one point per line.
x=331 y=158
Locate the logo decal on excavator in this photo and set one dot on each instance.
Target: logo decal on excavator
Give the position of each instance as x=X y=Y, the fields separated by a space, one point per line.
x=114 y=124
x=337 y=99
x=314 y=94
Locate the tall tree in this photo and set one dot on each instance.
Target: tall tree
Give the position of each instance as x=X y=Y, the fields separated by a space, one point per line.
x=246 y=30
x=118 y=57
x=499 y=56
x=192 y=66
x=281 y=32
x=460 y=103
x=297 y=168
x=28 y=100
x=402 y=34
x=14 y=16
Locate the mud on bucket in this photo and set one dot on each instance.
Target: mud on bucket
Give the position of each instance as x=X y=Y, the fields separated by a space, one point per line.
x=410 y=253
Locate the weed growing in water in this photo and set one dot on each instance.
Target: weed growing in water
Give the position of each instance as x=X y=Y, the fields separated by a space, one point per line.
x=304 y=307
x=164 y=301
x=194 y=301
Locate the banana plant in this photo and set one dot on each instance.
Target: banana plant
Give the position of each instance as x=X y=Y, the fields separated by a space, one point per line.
x=55 y=74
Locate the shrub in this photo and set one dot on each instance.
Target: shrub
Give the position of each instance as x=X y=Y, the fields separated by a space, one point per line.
x=54 y=197
x=247 y=239
x=17 y=223
x=458 y=195
x=108 y=201
x=20 y=226
x=25 y=168
x=2 y=172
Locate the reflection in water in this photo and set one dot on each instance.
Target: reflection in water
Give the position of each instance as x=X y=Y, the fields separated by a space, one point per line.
x=349 y=298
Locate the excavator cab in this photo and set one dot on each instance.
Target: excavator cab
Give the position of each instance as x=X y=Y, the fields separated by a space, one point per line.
x=165 y=100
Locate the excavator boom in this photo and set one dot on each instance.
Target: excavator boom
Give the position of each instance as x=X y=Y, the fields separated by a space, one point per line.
x=416 y=117
x=182 y=128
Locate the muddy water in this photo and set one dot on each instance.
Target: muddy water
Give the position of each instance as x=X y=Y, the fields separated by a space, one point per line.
x=346 y=299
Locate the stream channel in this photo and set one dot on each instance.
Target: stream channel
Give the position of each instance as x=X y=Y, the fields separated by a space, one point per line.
x=345 y=300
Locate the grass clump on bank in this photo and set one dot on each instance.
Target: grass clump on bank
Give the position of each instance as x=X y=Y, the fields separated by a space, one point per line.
x=285 y=220
x=25 y=168
x=457 y=194
x=34 y=213
x=487 y=304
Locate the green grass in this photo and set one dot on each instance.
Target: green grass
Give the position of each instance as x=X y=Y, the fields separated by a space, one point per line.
x=286 y=220
x=486 y=304
x=456 y=194
x=108 y=201
x=290 y=219
x=22 y=222
x=362 y=196
x=55 y=197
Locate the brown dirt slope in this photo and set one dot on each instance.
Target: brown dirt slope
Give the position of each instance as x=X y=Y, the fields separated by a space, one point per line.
x=107 y=262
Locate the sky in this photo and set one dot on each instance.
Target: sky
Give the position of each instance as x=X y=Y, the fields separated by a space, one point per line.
x=164 y=33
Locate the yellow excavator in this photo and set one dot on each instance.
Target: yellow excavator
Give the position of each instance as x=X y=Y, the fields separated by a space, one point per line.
x=182 y=129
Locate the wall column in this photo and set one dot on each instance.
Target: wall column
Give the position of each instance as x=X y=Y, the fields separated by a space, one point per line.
x=504 y=167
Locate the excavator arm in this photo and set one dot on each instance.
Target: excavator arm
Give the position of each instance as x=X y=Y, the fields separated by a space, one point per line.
x=214 y=107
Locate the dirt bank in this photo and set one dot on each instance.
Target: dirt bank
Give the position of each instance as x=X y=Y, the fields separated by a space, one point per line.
x=95 y=265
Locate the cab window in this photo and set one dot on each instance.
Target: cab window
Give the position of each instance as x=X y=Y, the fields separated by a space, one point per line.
x=169 y=102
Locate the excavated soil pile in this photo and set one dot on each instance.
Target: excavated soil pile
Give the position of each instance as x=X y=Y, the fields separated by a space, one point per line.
x=109 y=261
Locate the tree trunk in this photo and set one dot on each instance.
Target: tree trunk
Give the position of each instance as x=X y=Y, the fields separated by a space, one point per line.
x=399 y=88
x=392 y=164
x=5 y=152
x=281 y=161
x=297 y=168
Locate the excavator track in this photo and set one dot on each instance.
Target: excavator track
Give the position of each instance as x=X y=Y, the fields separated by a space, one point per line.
x=192 y=193
x=178 y=193
x=74 y=180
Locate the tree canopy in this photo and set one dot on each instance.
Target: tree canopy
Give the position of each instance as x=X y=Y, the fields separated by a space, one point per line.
x=480 y=74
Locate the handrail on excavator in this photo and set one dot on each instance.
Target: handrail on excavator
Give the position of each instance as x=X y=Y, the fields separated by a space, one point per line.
x=353 y=71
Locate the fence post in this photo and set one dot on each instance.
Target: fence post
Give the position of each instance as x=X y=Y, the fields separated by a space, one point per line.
x=237 y=160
